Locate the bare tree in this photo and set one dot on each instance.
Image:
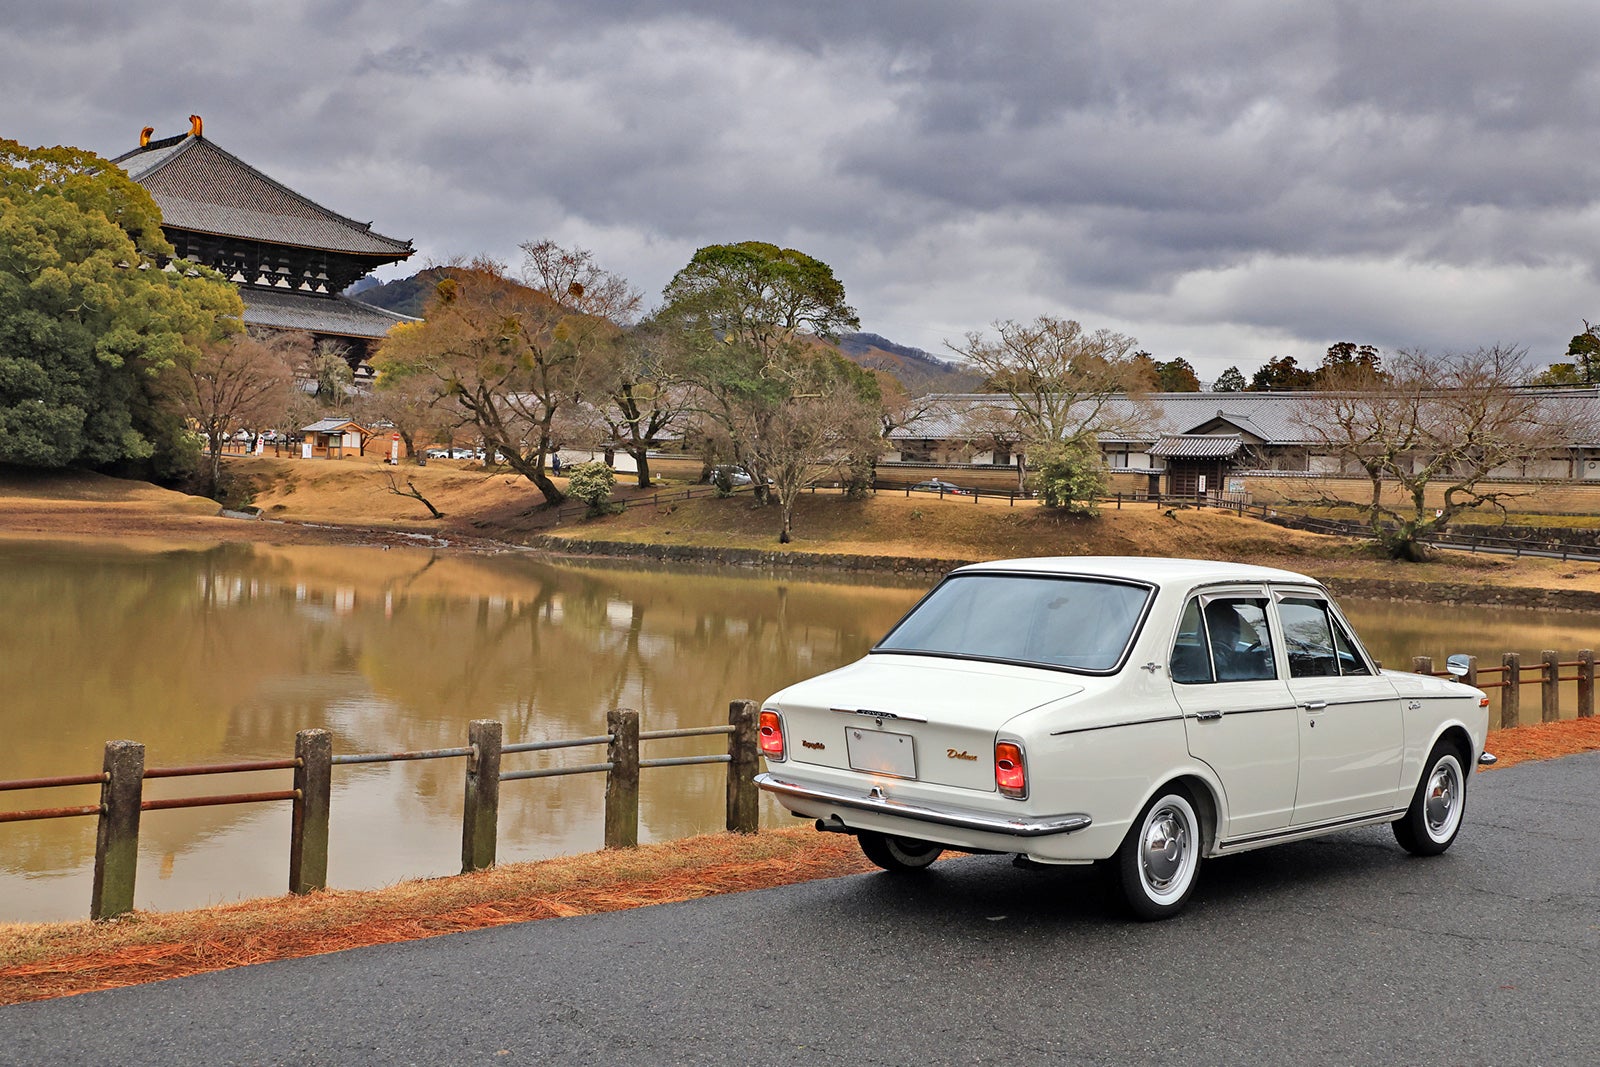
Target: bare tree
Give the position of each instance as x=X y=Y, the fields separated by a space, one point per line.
x=572 y=278
x=411 y=405
x=509 y=357
x=1061 y=383
x=825 y=426
x=243 y=382
x=1434 y=429
x=645 y=396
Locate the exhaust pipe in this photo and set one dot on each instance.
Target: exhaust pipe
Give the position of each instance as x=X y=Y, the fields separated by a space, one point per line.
x=833 y=825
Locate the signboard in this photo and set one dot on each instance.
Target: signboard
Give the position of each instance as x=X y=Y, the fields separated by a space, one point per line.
x=394 y=449
x=1202 y=486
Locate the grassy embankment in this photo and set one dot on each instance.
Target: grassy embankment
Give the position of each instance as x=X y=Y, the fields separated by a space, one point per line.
x=348 y=503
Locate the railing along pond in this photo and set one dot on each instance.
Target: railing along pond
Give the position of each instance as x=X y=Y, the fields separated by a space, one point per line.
x=122 y=780
x=122 y=793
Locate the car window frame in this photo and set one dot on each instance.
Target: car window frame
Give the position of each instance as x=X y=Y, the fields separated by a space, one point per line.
x=1207 y=594
x=1281 y=593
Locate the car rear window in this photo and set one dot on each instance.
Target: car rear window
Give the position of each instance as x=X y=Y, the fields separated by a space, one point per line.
x=1079 y=624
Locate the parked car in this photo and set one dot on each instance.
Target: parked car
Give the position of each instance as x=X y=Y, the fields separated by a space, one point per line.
x=1144 y=713
x=935 y=485
x=736 y=476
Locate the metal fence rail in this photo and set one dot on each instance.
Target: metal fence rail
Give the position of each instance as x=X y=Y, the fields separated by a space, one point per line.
x=122 y=798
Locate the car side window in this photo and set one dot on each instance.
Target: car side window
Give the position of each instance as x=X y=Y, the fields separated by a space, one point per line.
x=1308 y=633
x=1191 y=658
x=1227 y=639
x=1241 y=639
x=1350 y=661
x=1319 y=645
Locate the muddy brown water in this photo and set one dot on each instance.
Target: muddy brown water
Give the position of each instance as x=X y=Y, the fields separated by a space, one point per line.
x=210 y=654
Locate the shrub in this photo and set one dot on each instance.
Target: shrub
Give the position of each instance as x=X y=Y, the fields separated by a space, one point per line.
x=1070 y=476
x=592 y=483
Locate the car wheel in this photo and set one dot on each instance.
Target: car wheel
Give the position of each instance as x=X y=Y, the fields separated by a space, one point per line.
x=1160 y=857
x=1432 y=821
x=898 y=854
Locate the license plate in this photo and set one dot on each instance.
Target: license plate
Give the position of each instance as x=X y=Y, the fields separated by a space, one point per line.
x=881 y=753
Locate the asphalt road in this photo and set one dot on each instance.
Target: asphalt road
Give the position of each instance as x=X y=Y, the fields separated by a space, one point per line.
x=1339 y=951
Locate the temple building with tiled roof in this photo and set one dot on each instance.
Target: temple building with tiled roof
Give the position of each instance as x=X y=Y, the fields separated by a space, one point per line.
x=292 y=258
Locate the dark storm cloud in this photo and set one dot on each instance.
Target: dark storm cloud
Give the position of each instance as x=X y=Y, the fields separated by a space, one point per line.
x=1227 y=182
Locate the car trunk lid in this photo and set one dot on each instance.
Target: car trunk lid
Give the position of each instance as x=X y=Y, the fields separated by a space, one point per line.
x=913 y=717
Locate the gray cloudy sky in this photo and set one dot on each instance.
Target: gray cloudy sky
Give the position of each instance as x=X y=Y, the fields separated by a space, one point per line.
x=1227 y=182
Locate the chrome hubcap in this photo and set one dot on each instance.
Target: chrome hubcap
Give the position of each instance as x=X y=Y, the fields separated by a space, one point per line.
x=1444 y=792
x=1166 y=842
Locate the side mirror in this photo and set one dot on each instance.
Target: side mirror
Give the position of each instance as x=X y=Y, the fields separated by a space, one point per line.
x=1458 y=665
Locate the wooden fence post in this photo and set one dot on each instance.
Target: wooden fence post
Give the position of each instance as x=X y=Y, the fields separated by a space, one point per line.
x=744 y=757
x=308 y=826
x=1511 y=695
x=480 y=814
x=116 y=845
x=622 y=781
x=1586 y=683
x=1471 y=677
x=1550 y=687
x=1421 y=664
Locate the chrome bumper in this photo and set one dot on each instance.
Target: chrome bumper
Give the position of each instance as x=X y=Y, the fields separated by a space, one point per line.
x=966 y=820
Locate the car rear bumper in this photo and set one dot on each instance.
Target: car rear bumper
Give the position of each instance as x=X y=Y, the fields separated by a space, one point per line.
x=875 y=801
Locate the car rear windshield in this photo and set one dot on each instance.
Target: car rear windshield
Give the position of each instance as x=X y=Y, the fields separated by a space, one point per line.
x=1079 y=624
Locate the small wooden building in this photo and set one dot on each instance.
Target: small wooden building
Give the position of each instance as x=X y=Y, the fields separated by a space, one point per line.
x=333 y=439
x=1197 y=464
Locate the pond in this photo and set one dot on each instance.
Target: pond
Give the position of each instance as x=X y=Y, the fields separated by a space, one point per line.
x=210 y=654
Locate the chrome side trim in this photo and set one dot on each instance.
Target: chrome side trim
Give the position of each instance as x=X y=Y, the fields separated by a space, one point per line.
x=966 y=820
x=1115 y=725
x=1310 y=828
x=1210 y=714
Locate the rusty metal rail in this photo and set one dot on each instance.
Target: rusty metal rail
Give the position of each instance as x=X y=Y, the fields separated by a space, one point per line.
x=214 y=801
x=50 y=813
x=222 y=768
x=52 y=783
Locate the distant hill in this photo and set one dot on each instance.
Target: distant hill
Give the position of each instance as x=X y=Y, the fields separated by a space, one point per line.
x=403 y=295
x=918 y=371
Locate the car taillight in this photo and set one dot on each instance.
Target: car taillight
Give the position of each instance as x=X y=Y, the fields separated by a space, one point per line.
x=771 y=735
x=1010 y=771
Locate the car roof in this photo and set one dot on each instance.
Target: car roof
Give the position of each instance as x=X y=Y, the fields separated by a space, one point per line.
x=1155 y=570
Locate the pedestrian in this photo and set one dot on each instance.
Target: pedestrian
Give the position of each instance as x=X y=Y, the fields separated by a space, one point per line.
x=555 y=464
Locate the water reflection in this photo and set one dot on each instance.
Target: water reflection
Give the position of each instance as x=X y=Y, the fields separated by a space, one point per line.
x=221 y=653
x=210 y=654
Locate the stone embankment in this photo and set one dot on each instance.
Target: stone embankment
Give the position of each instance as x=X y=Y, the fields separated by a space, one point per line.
x=1365 y=588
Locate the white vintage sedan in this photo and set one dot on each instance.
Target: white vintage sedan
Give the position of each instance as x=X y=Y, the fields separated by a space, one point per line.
x=1144 y=712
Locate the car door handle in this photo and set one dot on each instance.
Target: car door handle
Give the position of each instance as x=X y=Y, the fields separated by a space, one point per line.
x=1314 y=705
x=1207 y=716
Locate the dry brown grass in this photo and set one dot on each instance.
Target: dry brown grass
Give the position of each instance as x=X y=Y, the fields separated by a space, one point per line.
x=348 y=502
